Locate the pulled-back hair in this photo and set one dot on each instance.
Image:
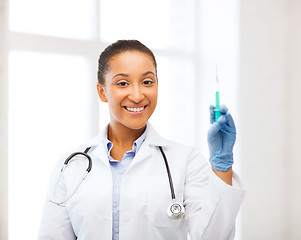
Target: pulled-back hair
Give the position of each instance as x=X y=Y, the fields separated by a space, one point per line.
x=116 y=48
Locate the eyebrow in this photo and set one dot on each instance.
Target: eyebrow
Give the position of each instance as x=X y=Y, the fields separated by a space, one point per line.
x=126 y=75
x=121 y=74
x=149 y=72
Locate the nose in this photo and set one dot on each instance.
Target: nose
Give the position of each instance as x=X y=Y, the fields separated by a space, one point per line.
x=136 y=94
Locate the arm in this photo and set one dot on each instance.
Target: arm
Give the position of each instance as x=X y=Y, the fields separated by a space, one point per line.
x=55 y=222
x=211 y=204
x=225 y=176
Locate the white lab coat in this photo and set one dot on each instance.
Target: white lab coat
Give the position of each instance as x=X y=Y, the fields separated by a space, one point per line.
x=211 y=205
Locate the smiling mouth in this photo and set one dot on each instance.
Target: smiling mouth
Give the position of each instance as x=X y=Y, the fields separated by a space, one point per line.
x=135 y=109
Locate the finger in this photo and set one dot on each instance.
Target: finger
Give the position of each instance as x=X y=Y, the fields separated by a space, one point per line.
x=211 y=107
x=222 y=119
x=213 y=130
x=223 y=109
x=227 y=124
x=224 y=122
x=212 y=114
x=230 y=120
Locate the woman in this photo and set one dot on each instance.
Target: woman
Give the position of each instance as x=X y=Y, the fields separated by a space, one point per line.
x=127 y=193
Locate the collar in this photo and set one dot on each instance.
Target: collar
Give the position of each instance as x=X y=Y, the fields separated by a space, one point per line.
x=136 y=145
x=151 y=137
x=99 y=150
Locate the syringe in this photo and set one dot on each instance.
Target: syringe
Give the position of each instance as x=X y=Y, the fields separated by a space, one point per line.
x=217 y=109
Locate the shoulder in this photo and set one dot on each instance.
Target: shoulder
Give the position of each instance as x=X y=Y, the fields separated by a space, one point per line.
x=187 y=161
x=171 y=147
x=186 y=152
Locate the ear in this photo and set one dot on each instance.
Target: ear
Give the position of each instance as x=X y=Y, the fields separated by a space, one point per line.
x=101 y=93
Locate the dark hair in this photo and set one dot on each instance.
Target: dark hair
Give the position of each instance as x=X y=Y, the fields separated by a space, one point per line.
x=116 y=48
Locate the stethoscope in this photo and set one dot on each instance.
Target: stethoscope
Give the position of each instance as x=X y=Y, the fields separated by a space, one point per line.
x=175 y=210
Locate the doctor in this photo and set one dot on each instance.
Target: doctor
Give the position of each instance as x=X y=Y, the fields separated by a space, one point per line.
x=127 y=193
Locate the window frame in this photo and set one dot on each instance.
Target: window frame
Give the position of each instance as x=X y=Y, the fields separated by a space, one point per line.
x=89 y=49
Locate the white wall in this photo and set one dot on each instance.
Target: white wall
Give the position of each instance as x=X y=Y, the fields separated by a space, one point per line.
x=3 y=128
x=294 y=120
x=269 y=120
x=270 y=115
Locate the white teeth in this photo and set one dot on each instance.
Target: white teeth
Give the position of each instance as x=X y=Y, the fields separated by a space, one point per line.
x=134 y=109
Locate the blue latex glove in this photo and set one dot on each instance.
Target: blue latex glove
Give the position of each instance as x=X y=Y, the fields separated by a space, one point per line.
x=221 y=138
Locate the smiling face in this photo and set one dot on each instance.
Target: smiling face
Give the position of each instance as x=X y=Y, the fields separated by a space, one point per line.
x=130 y=89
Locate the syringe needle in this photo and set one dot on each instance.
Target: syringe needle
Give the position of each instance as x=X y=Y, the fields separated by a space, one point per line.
x=217 y=108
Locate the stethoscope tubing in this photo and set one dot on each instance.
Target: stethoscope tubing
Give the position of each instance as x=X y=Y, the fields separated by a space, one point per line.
x=173 y=196
x=85 y=153
x=170 y=211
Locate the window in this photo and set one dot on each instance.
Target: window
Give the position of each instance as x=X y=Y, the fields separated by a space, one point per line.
x=53 y=103
x=47 y=103
x=67 y=18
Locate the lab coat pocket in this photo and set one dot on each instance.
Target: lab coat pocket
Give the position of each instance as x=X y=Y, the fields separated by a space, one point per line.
x=89 y=226
x=158 y=201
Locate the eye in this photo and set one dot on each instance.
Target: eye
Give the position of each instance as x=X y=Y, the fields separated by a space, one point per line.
x=148 y=82
x=122 y=84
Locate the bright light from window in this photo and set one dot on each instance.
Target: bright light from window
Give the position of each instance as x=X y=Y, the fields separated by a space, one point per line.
x=59 y=18
x=161 y=117
x=47 y=117
x=135 y=19
x=176 y=101
x=155 y=23
x=48 y=107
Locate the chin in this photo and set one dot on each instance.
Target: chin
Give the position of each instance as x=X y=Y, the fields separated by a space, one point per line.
x=136 y=126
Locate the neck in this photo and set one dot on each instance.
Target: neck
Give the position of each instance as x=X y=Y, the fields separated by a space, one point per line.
x=123 y=136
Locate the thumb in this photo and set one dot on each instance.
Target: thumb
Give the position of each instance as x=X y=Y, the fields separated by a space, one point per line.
x=213 y=130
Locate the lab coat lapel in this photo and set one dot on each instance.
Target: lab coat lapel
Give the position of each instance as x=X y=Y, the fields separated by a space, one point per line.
x=152 y=139
x=98 y=150
x=100 y=154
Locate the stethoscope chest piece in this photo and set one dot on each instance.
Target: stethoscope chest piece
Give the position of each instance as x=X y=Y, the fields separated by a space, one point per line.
x=175 y=210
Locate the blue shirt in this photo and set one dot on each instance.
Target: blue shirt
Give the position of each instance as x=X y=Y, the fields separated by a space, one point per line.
x=118 y=169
